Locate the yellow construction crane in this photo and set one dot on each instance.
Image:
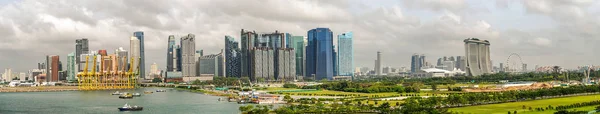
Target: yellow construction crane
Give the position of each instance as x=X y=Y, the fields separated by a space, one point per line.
x=106 y=80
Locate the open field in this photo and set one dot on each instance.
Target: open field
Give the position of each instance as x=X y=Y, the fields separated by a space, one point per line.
x=503 y=108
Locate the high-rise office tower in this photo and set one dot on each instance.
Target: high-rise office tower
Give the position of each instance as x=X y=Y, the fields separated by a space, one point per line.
x=178 y=61
x=171 y=56
x=345 y=54
x=262 y=63
x=142 y=61
x=298 y=43
x=461 y=63
x=52 y=62
x=286 y=64
x=81 y=47
x=232 y=58
x=524 y=68
x=319 y=63
x=188 y=53
x=378 y=64
x=122 y=59
x=248 y=40
x=477 y=53
x=134 y=47
x=211 y=65
x=71 y=70
x=153 y=71
x=417 y=63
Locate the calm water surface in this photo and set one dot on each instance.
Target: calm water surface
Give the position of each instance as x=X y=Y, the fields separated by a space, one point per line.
x=78 y=102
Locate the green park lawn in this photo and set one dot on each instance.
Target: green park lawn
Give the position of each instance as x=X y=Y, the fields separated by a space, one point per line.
x=269 y=89
x=503 y=108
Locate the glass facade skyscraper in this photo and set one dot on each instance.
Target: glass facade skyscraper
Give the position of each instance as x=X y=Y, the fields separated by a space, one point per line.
x=171 y=56
x=298 y=43
x=345 y=54
x=232 y=57
x=319 y=54
x=140 y=36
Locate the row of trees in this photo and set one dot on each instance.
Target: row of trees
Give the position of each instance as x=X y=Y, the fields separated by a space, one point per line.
x=367 y=87
x=577 y=105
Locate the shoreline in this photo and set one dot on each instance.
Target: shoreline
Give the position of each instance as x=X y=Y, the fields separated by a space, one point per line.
x=38 y=89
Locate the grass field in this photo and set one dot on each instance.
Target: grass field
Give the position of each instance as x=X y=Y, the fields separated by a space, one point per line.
x=503 y=108
x=269 y=89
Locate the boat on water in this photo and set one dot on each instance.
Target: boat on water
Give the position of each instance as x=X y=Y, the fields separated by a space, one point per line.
x=148 y=92
x=127 y=107
x=116 y=93
x=126 y=96
x=160 y=91
x=136 y=94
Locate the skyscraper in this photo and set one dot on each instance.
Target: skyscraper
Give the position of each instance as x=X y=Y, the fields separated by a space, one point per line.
x=248 y=40
x=71 y=70
x=232 y=57
x=477 y=54
x=178 y=62
x=53 y=68
x=134 y=47
x=211 y=65
x=81 y=47
x=142 y=61
x=188 y=53
x=153 y=71
x=378 y=64
x=122 y=59
x=298 y=43
x=286 y=64
x=319 y=53
x=171 y=56
x=417 y=63
x=345 y=54
x=460 y=63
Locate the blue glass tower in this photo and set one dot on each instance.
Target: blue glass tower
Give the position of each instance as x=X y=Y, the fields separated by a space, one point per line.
x=319 y=54
x=140 y=36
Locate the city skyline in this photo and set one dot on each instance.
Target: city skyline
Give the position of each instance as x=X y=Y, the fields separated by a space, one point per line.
x=397 y=28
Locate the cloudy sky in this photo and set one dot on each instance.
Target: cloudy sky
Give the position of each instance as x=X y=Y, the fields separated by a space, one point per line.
x=543 y=32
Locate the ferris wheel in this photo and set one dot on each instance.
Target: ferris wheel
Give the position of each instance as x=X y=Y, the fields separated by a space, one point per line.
x=513 y=63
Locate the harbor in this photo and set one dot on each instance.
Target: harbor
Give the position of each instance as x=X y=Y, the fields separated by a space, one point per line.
x=102 y=101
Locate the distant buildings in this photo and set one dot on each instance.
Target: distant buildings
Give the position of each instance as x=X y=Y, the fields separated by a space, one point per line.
x=378 y=64
x=319 y=54
x=477 y=54
x=345 y=54
x=417 y=63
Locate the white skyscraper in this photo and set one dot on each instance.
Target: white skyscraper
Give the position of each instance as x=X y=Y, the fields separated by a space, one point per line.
x=134 y=47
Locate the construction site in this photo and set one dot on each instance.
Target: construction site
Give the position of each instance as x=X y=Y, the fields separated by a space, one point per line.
x=103 y=77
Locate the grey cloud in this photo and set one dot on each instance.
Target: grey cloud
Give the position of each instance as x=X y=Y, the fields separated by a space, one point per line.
x=109 y=25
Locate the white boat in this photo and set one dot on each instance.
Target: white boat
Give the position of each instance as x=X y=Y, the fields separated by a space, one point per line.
x=116 y=93
x=137 y=94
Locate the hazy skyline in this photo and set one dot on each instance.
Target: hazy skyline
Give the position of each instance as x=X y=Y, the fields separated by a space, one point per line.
x=543 y=32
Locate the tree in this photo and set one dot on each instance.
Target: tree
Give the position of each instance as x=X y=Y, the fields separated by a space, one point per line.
x=156 y=80
x=197 y=82
x=16 y=78
x=434 y=87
